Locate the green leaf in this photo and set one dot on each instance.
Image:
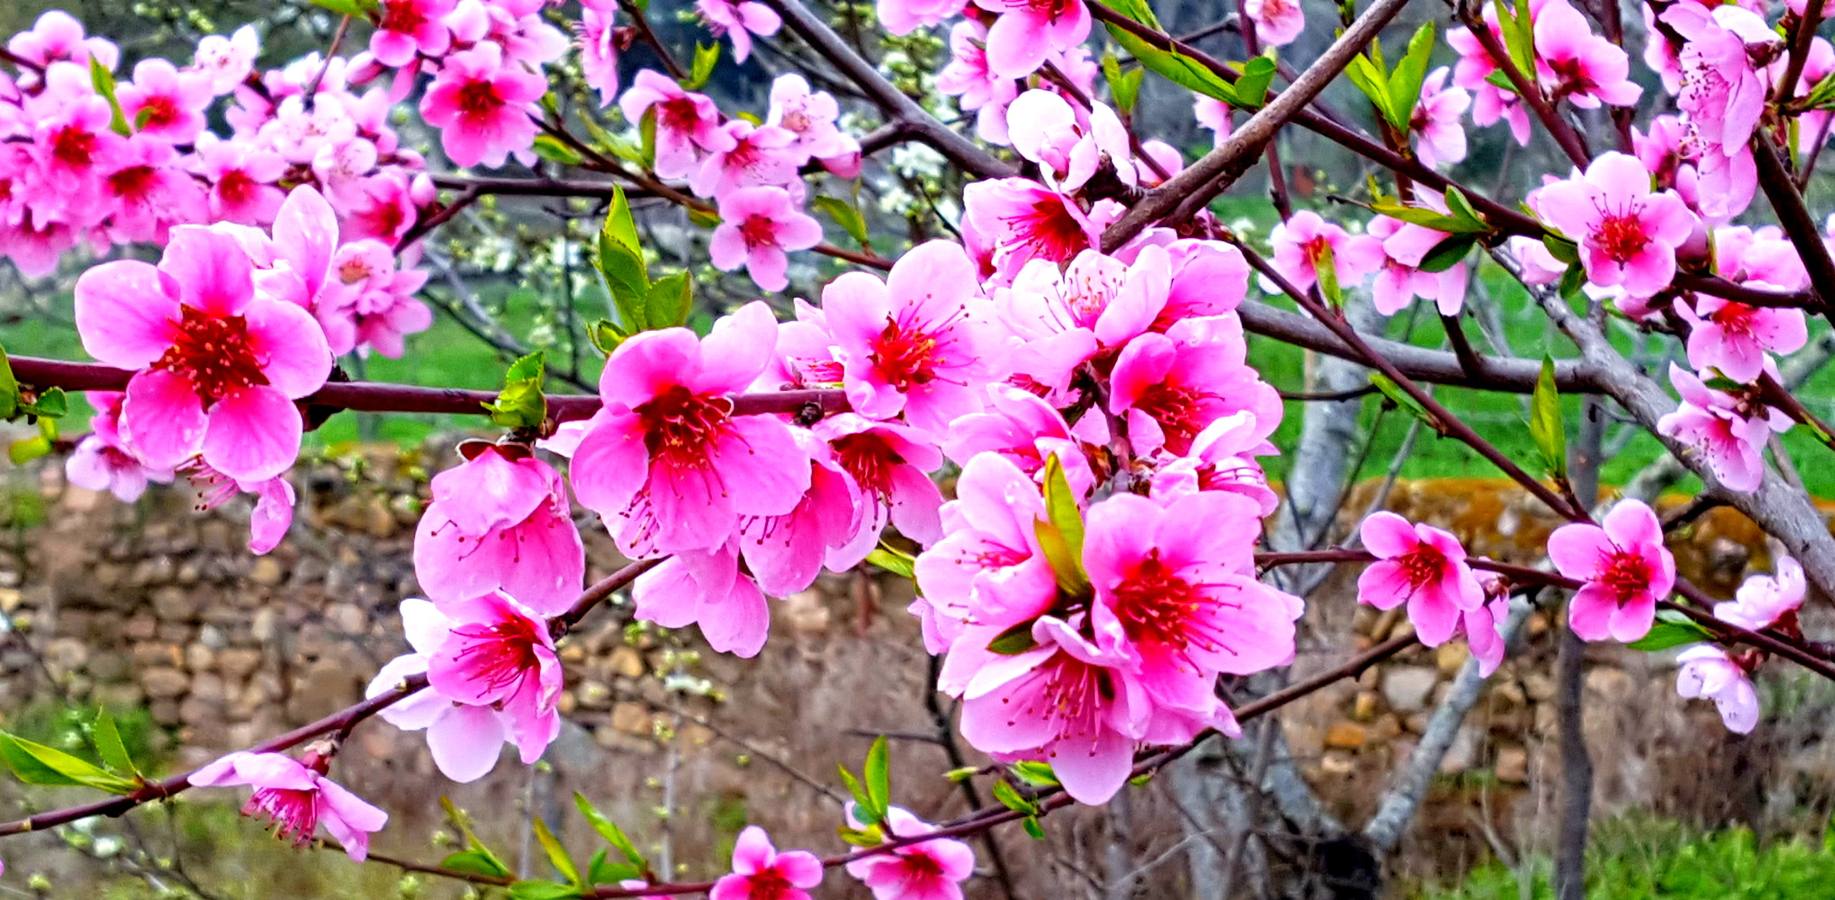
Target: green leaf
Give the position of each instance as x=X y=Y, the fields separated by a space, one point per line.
x=957 y=776
x=1370 y=78
x=1403 y=400
x=646 y=133
x=869 y=836
x=601 y=870
x=1257 y=75
x=1124 y=86
x=355 y=8
x=1171 y=65
x=1461 y=210
x=706 y=56
x=1012 y=799
x=1545 y=421
x=609 y=830
x=542 y=890
x=1062 y=510
x=475 y=862
x=1035 y=773
x=606 y=336
x=9 y=388
x=863 y=801
x=1427 y=218
x=463 y=823
x=1325 y=269
x=1572 y=281
x=621 y=263
x=521 y=403
x=670 y=299
x=1013 y=641
x=1450 y=252
x=26 y=449
x=1034 y=830
x=109 y=746
x=894 y=560
x=1519 y=36
x=51 y=404
x=1822 y=96
x=1499 y=80
x=104 y=83
x=35 y=763
x=557 y=854
x=1672 y=629
x=1405 y=82
x=845 y=215
x=878 y=775
x=553 y=149
x=1561 y=248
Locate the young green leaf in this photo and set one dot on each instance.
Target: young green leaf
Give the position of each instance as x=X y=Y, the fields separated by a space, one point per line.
x=1171 y=65
x=1545 y=426
x=475 y=862
x=109 y=746
x=1461 y=209
x=1405 y=82
x=1671 y=630
x=104 y=82
x=1368 y=76
x=646 y=134
x=35 y=763
x=9 y=388
x=621 y=263
x=1034 y=829
x=608 y=829
x=542 y=890
x=26 y=449
x=706 y=56
x=1421 y=215
x=1257 y=75
x=878 y=775
x=670 y=299
x=601 y=870
x=894 y=560
x=552 y=149
x=1451 y=251
x=557 y=854
x=521 y=403
x=844 y=214
x=1032 y=772
x=354 y=8
x=869 y=836
x=51 y=403
x=1561 y=248
x=1012 y=799
x=863 y=801
x=1013 y=641
x=1404 y=400
x=1325 y=267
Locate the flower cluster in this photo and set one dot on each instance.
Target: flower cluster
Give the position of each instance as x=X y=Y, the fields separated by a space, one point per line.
x=1720 y=674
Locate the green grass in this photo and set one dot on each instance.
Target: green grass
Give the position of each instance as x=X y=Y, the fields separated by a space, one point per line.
x=1637 y=858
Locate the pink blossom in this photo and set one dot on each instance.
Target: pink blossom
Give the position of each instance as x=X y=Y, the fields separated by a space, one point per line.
x=1707 y=672
x=150 y=193
x=1060 y=319
x=967 y=78
x=1222 y=458
x=1490 y=103
x=1729 y=432
x=599 y=53
x=666 y=462
x=498 y=654
x=1304 y=241
x=1581 y=67
x=913 y=344
x=1277 y=22
x=242 y=181
x=1483 y=628
x=988 y=570
x=102 y=460
x=1405 y=246
x=889 y=465
x=1437 y=121
x=760 y=872
x=706 y=589
x=754 y=155
x=274 y=500
x=810 y=117
x=1024 y=34
x=72 y=142
x=1422 y=565
x=225 y=62
x=218 y=368
x=926 y=870
x=58 y=37
x=464 y=740
x=1734 y=338
x=1024 y=221
x=901 y=17
x=297 y=798
x=1722 y=92
x=373 y=298
x=1213 y=114
x=411 y=27
x=1070 y=700
x=739 y=21
x=1069 y=145
x=758 y=226
x=687 y=125
x=1627 y=234
x=1169 y=387
x=1186 y=598
x=1027 y=431
x=164 y=102
x=1765 y=600
x=500 y=521
x=785 y=553
x=481 y=106
x=1625 y=567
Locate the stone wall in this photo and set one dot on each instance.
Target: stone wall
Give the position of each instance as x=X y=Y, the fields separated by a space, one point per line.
x=155 y=606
